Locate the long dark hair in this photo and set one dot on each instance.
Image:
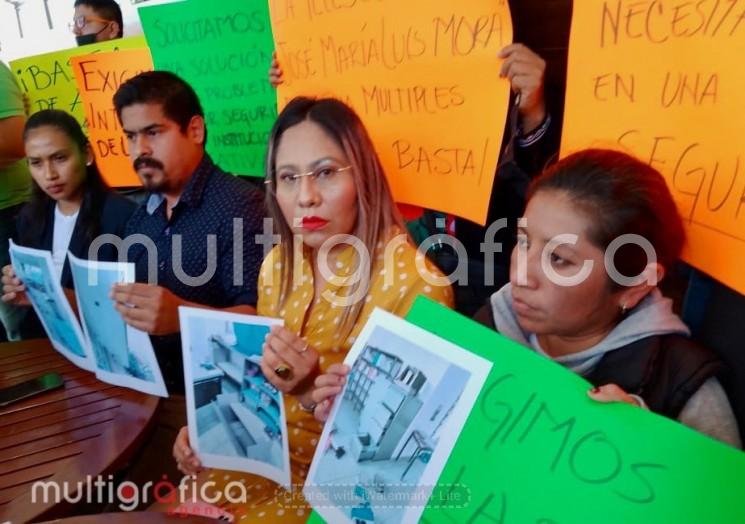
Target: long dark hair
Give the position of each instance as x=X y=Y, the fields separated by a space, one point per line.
x=35 y=214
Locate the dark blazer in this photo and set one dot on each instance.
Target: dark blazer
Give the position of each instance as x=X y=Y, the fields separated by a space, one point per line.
x=116 y=211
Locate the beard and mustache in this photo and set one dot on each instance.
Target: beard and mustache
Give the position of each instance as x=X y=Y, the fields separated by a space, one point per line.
x=147 y=180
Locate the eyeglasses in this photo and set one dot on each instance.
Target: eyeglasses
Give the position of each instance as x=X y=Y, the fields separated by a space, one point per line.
x=79 y=22
x=323 y=176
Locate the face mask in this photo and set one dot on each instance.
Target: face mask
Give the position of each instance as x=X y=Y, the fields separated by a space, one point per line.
x=85 y=39
x=88 y=39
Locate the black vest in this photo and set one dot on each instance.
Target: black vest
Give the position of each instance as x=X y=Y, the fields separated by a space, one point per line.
x=665 y=370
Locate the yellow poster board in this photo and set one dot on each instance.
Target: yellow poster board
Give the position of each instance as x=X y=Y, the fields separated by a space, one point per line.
x=662 y=80
x=424 y=77
x=48 y=80
x=98 y=76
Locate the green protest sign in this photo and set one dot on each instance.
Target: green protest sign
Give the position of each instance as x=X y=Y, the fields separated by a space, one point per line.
x=223 y=49
x=537 y=450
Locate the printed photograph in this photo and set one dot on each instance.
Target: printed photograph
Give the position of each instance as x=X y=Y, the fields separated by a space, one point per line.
x=392 y=427
x=236 y=416
x=121 y=357
x=34 y=268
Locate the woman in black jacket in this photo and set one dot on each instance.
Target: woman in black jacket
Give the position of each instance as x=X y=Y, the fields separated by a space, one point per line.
x=70 y=205
x=599 y=232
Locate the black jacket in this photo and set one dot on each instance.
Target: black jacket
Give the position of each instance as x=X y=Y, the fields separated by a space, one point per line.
x=665 y=370
x=116 y=211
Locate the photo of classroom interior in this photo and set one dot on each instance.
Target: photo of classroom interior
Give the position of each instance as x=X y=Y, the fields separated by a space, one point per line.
x=238 y=411
x=397 y=401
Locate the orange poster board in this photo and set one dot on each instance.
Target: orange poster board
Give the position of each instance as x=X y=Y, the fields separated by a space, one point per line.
x=662 y=80
x=424 y=77
x=98 y=77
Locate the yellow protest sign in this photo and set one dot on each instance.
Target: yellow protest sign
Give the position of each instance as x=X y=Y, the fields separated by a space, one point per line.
x=98 y=76
x=48 y=80
x=661 y=80
x=424 y=77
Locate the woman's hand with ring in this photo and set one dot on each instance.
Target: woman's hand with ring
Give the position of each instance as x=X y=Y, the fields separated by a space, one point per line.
x=288 y=362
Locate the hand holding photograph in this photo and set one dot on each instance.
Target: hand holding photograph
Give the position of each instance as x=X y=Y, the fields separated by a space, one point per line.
x=392 y=428
x=35 y=269
x=236 y=417
x=124 y=356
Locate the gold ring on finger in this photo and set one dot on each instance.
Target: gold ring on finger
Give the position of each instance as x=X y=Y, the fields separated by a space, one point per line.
x=284 y=372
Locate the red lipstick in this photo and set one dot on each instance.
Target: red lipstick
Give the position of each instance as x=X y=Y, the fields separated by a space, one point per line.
x=314 y=223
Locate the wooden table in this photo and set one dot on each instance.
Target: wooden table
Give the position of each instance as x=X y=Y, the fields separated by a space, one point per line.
x=87 y=428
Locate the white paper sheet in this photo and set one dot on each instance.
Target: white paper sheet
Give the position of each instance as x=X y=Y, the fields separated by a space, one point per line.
x=124 y=356
x=34 y=267
x=393 y=427
x=236 y=417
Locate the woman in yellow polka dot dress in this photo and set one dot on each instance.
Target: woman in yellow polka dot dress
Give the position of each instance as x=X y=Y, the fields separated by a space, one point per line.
x=343 y=253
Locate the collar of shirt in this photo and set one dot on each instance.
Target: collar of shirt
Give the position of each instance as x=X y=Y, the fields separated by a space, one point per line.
x=192 y=194
x=154 y=202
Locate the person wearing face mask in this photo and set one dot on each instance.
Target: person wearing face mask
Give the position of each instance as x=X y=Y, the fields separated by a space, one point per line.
x=605 y=320
x=324 y=179
x=70 y=204
x=96 y=21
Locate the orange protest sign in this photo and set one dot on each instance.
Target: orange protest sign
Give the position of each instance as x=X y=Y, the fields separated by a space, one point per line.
x=661 y=80
x=424 y=77
x=98 y=77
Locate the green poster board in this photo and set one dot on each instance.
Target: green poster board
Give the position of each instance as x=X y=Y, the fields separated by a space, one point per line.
x=537 y=450
x=224 y=50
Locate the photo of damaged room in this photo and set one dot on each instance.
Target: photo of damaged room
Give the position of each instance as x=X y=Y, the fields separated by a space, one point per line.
x=35 y=269
x=389 y=422
x=236 y=415
x=114 y=353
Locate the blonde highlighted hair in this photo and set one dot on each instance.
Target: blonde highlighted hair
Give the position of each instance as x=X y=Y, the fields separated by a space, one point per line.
x=377 y=214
